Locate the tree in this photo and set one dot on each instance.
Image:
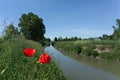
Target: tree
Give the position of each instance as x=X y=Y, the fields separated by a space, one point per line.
x=32 y=27
x=55 y=39
x=118 y=23
x=116 y=33
x=60 y=39
x=105 y=36
x=47 y=39
x=11 y=32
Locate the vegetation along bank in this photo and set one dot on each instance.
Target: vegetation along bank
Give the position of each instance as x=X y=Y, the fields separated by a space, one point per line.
x=16 y=40
x=15 y=66
x=101 y=49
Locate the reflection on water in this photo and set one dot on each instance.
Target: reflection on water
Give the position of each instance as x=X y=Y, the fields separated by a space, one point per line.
x=78 y=70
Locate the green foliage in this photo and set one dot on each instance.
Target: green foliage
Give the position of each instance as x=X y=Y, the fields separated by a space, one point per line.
x=106 y=37
x=15 y=66
x=70 y=46
x=55 y=39
x=105 y=49
x=87 y=51
x=68 y=39
x=118 y=22
x=77 y=49
x=106 y=55
x=32 y=27
x=11 y=32
x=111 y=56
x=116 y=33
x=94 y=53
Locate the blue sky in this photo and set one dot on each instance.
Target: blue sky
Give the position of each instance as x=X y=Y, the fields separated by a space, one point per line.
x=66 y=18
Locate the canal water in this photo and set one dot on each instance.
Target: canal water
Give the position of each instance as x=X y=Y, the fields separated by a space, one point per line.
x=85 y=68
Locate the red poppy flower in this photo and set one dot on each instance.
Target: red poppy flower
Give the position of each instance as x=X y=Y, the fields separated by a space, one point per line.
x=28 y=52
x=44 y=58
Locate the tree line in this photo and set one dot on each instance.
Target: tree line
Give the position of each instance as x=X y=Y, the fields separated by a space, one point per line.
x=114 y=36
x=31 y=27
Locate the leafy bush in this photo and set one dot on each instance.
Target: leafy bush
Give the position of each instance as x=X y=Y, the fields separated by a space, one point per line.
x=87 y=51
x=87 y=47
x=107 y=56
x=94 y=53
x=91 y=46
x=110 y=56
x=78 y=49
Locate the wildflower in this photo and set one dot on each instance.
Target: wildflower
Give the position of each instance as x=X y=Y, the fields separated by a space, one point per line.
x=44 y=58
x=28 y=52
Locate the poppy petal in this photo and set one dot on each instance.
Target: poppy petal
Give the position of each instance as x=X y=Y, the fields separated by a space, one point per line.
x=28 y=52
x=44 y=58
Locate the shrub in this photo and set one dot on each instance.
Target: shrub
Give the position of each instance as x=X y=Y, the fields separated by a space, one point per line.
x=87 y=51
x=106 y=55
x=91 y=46
x=78 y=49
x=94 y=53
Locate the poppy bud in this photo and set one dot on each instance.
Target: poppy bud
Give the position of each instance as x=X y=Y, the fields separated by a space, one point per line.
x=44 y=58
x=28 y=52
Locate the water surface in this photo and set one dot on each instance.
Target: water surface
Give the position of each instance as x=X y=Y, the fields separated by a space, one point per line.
x=84 y=69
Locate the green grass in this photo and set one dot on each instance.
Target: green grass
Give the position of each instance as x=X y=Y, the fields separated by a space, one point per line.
x=106 y=49
x=15 y=66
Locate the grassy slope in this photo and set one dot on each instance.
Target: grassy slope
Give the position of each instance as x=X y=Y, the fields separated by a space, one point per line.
x=15 y=66
x=108 y=49
x=108 y=65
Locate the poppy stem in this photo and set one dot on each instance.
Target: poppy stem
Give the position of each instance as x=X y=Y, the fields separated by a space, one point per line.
x=36 y=70
x=47 y=73
x=42 y=71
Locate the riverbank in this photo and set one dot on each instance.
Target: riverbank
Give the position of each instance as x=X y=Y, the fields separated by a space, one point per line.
x=83 y=67
x=15 y=66
x=106 y=63
x=100 y=50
